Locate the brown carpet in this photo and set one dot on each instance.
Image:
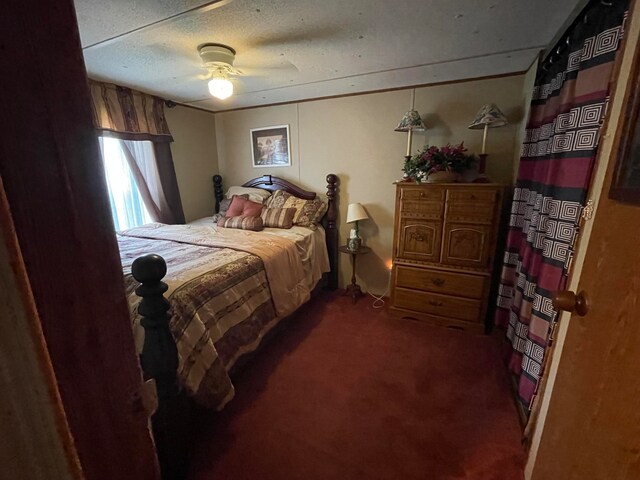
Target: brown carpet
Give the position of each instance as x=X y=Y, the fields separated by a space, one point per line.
x=348 y=392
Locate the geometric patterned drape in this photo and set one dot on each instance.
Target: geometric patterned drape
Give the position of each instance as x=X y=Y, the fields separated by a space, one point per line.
x=568 y=108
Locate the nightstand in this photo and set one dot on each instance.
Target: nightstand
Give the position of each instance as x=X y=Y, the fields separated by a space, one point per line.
x=354 y=289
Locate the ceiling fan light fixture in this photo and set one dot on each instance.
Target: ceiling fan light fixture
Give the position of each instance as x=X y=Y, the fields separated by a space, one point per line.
x=220 y=88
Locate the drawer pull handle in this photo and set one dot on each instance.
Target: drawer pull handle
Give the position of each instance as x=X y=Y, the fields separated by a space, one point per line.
x=421 y=194
x=435 y=303
x=438 y=282
x=420 y=238
x=473 y=197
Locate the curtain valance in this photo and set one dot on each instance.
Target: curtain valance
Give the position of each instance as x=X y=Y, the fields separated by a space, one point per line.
x=128 y=114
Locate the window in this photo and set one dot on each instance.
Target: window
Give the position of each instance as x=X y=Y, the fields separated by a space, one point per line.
x=127 y=206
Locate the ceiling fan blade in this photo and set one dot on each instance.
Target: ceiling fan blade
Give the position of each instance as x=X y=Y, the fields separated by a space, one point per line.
x=308 y=35
x=267 y=71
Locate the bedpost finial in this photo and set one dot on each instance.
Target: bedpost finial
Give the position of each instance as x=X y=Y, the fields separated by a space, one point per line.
x=149 y=268
x=332 y=179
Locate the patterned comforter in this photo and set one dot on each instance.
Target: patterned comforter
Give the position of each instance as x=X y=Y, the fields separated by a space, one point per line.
x=227 y=289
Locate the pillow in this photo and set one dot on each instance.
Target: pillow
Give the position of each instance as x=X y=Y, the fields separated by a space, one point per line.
x=224 y=206
x=241 y=207
x=278 y=217
x=245 y=223
x=308 y=212
x=254 y=194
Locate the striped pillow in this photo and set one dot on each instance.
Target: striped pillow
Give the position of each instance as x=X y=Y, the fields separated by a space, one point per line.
x=308 y=212
x=245 y=223
x=278 y=217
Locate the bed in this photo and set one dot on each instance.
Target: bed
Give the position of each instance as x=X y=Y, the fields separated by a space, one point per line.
x=224 y=290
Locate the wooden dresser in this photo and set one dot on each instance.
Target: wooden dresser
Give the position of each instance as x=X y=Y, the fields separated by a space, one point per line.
x=444 y=245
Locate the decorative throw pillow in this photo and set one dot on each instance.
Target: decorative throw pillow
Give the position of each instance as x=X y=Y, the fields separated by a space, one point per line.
x=241 y=207
x=245 y=223
x=308 y=212
x=254 y=194
x=278 y=217
x=224 y=206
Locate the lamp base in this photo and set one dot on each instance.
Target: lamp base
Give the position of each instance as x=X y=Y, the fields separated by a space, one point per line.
x=482 y=177
x=354 y=244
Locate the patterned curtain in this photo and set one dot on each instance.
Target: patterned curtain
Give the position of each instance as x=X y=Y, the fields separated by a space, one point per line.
x=568 y=107
x=133 y=118
x=128 y=114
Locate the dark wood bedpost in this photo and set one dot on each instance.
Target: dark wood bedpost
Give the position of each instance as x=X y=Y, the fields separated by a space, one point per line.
x=159 y=361
x=331 y=228
x=217 y=191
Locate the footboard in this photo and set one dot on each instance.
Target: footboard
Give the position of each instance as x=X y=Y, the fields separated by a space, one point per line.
x=159 y=361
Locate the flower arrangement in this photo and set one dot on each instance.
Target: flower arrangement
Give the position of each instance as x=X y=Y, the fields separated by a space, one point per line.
x=432 y=159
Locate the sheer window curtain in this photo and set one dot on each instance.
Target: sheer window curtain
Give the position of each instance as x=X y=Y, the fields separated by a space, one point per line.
x=127 y=206
x=156 y=179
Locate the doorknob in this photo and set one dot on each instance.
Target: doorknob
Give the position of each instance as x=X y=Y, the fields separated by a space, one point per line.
x=570 y=302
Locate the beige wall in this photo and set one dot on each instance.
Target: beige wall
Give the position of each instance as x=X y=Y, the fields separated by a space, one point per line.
x=195 y=158
x=354 y=138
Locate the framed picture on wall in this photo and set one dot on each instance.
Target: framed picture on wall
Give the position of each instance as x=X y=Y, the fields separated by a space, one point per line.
x=270 y=146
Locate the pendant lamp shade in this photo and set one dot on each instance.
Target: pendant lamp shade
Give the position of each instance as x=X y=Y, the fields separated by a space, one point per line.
x=489 y=115
x=411 y=121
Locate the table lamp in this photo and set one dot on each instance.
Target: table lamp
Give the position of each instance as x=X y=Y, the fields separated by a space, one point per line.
x=355 y=213
x=488 y=117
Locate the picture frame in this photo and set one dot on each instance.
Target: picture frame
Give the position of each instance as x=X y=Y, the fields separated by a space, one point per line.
x=625 y=184
x=270 y=146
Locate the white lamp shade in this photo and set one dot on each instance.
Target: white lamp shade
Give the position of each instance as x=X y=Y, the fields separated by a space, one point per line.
x=220 y=88
x=356 y=212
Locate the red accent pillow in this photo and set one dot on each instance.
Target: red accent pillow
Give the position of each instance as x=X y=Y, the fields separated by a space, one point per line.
x=241 y=207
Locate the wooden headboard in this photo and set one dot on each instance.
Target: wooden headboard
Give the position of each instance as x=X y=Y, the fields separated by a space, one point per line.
x=271 y=183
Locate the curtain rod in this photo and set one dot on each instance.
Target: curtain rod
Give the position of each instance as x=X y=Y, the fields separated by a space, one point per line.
x=562 y=39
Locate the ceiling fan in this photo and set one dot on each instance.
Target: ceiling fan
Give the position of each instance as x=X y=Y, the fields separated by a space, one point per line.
x=218 y=60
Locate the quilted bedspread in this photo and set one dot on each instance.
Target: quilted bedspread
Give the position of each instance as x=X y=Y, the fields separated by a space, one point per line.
x=227 y=289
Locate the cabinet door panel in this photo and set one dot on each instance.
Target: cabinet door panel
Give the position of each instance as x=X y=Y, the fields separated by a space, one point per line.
x=466 y=245
x=419 y=240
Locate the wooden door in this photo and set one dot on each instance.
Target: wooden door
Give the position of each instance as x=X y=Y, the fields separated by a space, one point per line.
x=592 y=429
x=54 y=182
x=592 y=426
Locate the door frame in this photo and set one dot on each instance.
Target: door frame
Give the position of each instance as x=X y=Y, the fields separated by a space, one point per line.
x=54 y=182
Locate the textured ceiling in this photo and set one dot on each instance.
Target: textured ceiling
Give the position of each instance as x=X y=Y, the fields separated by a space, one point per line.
x=309 y=48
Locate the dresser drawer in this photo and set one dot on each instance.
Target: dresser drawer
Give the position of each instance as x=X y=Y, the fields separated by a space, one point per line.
x=471 y=212
x=419 y=202
x=459 y=284
x=436 y=304
x=477 y=206
x=471 y=195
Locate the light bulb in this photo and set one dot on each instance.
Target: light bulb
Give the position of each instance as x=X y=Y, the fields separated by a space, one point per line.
x=220 y=88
